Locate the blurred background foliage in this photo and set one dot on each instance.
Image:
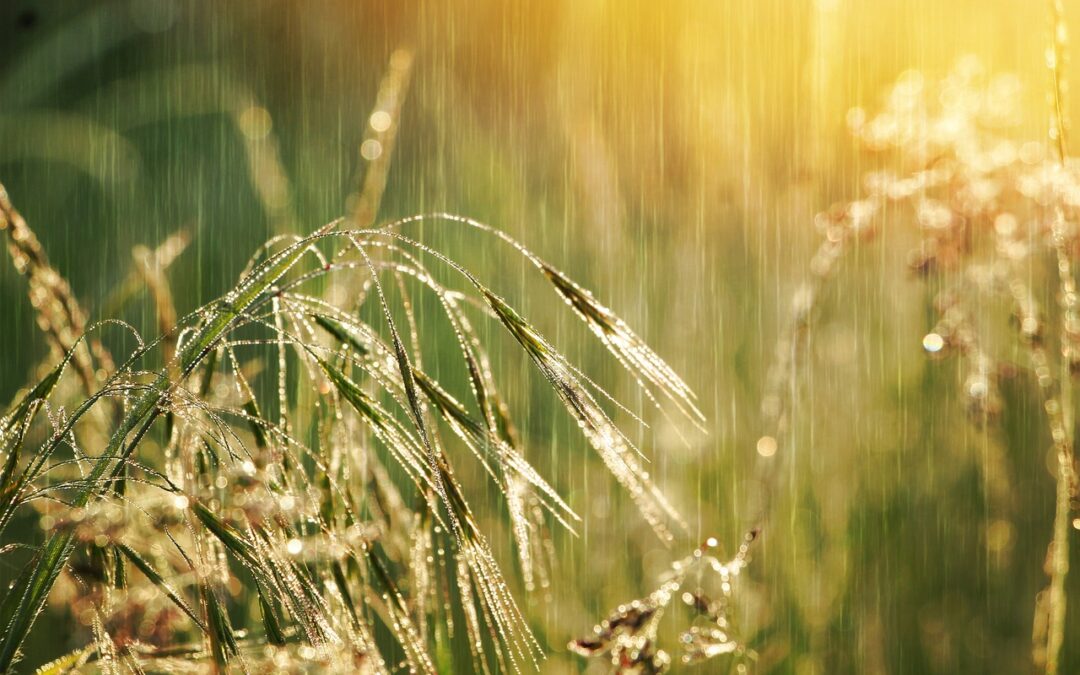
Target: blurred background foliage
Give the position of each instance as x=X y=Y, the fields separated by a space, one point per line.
x=668 y=155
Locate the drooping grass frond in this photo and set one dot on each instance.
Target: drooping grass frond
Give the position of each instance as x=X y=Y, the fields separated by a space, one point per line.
x=631 y=351
x=345 y=518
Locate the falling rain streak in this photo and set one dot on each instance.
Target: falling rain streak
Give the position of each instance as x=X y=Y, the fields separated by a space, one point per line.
x=598 y=337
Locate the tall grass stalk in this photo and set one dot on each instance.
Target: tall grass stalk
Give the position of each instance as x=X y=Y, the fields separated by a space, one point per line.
x=1068 y=492
x=315 y=526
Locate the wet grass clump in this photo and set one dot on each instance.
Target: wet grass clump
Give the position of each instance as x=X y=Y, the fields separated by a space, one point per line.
x=190 y=522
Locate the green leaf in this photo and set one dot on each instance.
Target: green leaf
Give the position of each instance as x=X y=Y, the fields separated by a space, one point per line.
x=68 y=663
x=231 y=540
x=147 y=569
x=40 y=391
x=340 y=332
x=271 y=623
x=223 y=645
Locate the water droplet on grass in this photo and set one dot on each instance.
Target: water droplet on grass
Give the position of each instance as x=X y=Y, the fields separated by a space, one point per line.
x=933 y=343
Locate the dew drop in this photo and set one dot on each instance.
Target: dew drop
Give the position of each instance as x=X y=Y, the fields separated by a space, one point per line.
x=766 y=447
x=380 y=121
x=371 y=149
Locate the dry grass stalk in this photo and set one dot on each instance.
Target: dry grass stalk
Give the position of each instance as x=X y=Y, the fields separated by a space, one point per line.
x=59 y=314
x=380 y=136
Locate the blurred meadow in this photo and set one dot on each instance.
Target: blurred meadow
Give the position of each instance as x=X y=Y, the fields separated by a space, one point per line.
x=669 y=156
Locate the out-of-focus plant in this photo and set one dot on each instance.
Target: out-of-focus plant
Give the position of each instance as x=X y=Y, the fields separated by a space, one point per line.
x=995 y=217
